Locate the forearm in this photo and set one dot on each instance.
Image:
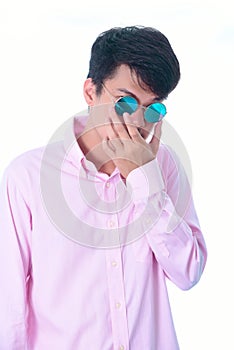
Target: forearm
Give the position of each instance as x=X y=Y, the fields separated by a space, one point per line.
x=172 y=231
x=14 y=266
x=12 y=296
x=178 y=246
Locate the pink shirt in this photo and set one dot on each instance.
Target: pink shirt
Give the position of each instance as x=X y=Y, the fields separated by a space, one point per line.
x=85 y=257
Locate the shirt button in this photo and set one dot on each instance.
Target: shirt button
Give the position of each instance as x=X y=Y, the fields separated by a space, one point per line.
x=107 y=184
x=117 y=305
x=111 y=223
x=121 y=347
x=148 y=220
x=114 y=263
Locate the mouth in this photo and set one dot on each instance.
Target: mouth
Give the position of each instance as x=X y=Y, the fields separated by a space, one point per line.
x=142 y=132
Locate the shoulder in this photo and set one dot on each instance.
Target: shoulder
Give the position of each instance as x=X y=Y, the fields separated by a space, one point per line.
x=24 y=167
x=166 y=157
x=174 y=164
x=24 y=163
x=31 y=161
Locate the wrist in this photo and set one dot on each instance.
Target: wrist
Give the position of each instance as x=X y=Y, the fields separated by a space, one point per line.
x=126 y=169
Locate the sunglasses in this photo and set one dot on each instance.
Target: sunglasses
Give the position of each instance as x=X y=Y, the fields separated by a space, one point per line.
x=152 y=114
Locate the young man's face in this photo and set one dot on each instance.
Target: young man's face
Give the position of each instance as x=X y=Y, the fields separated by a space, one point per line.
x=125 y=83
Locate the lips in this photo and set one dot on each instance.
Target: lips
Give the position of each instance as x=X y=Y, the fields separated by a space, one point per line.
x=142 y=132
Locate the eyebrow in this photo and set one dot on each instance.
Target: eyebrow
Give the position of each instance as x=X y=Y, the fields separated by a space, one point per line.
x=127 y=92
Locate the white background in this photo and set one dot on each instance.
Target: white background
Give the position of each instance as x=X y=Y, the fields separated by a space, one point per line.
x=44 y=54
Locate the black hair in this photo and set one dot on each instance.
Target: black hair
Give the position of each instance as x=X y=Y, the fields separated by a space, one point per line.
x=145 y=50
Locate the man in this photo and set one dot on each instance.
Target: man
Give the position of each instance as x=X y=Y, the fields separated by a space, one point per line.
x=92 y=226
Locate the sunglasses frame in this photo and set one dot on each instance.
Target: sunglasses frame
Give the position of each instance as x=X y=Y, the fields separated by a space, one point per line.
x=137 y=106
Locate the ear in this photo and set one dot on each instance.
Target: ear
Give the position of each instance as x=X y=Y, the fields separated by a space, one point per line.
x=89 y=91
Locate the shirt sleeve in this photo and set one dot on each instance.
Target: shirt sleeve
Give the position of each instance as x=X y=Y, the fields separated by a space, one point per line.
x=15 y=226
x=161 y=191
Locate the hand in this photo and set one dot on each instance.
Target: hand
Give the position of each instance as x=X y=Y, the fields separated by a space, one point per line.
x=125 y=145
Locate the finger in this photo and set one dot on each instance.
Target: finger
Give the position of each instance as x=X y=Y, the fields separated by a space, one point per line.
x=118 y=125
x=154 y=143
x=132 y=128
x=110 y=131
x=108 y=147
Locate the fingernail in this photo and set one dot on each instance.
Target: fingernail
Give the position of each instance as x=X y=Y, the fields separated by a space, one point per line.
x=125 y=114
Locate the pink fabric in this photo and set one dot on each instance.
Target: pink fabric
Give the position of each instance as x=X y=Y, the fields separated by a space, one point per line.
x=56 y=291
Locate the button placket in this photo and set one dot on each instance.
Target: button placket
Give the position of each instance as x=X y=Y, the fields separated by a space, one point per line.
x=117 y=299
x=109 y=191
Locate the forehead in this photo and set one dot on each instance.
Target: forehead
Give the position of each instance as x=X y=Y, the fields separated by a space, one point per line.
x=125 y=80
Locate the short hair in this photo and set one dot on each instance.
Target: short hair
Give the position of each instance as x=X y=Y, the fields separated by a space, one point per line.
x=145 y=50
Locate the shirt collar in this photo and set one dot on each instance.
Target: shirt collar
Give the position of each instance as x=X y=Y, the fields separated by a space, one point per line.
x=74 y=154
x=73 y=127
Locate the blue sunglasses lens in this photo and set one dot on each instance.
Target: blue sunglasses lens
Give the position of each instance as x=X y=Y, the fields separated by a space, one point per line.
x=126 y=104
x=155 y=112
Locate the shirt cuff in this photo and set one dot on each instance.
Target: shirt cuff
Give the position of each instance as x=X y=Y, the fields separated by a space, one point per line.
x=145 y=181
